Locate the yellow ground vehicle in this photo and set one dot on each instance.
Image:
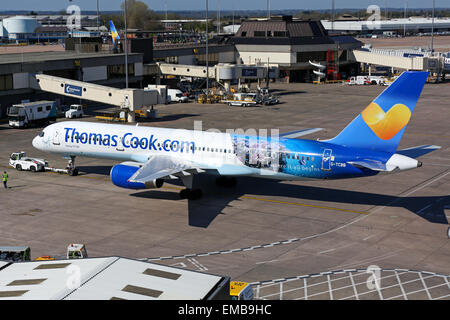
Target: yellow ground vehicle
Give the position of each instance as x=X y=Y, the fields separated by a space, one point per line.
x=211 y=98
x=241 y=290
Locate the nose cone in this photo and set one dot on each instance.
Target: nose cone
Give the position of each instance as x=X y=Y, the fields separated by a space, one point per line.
x=36 y=143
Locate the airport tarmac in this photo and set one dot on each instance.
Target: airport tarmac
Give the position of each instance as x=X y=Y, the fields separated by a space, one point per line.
x=259 y=230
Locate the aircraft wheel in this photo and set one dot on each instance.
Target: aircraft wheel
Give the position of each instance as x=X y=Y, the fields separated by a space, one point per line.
x=73 y=172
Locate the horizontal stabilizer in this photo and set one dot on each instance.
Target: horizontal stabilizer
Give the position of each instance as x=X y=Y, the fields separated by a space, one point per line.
x=419 y=151
x=299 y=133
x=369 y=164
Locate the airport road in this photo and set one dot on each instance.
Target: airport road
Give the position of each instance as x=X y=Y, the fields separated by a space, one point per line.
x=259 y=230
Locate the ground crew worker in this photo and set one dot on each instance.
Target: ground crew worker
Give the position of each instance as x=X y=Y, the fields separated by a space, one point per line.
x=5 y=179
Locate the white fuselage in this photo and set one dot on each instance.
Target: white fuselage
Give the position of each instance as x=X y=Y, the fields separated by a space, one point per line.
x=134 y=143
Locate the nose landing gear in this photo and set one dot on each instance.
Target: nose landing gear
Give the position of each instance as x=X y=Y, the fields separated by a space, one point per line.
x=71 y=169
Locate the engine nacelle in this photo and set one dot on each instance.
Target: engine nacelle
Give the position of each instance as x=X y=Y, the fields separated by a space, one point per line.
x=120 y=174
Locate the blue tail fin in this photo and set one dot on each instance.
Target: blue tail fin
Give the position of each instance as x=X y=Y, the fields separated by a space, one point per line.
x=114 y=33
x=381 y=124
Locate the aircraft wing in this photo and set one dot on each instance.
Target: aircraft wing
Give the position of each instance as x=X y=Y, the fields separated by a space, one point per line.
x=419 y=151
x=164 y=167
x=299 y=133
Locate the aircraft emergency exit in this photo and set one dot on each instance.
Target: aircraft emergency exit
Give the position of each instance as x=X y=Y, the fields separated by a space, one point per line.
x=366 y=147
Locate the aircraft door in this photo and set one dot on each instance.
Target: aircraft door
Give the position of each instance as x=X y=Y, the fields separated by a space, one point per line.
x=57 y=137
x=120 y=144
x=326 y=159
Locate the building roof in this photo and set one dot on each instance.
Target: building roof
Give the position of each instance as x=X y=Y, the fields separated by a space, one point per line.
x=284 y=31
x=106 y=278
x=292 y=28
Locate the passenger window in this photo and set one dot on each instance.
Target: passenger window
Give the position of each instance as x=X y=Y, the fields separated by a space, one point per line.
x=307 y=158
x=312 y=159
x=48 y=108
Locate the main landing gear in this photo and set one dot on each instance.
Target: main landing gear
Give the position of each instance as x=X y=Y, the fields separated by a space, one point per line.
x=191 y=194
x=71 y=169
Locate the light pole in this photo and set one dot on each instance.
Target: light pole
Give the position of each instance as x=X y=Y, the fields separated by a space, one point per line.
x=207 y=67
x=432 y=28
x=126 y=48
x=405 y=15
x=98 y=24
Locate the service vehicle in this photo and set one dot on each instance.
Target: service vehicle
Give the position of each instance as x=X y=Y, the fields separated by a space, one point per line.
x=32 y=114
x=241 y=291
x=20 y=161
x=242 y=99
x=74 y=251
x=15 y=254
x=358 y=80
x=379 y=80
x=176 y=95
x=75 y=111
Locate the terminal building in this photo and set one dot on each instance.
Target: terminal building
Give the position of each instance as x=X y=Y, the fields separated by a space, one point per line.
x=413 y=25
x=281 y=45
x=291 y=44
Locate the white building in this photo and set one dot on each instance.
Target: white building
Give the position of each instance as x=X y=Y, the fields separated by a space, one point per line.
x=410 y=25
x=18 y=28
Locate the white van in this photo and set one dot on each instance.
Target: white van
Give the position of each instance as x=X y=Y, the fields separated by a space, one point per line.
x=176 y=95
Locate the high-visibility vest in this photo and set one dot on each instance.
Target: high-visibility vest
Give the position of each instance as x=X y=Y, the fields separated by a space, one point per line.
x=5 y=177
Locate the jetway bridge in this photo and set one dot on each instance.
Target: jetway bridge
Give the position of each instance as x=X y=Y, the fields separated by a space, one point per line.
x=404 y=59
x=129 y=100
x=222 y=72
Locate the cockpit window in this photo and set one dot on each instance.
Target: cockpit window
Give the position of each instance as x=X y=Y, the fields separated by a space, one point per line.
x=41 y=134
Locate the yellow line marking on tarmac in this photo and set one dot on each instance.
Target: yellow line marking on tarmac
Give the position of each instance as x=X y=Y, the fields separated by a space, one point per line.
x=304 y=205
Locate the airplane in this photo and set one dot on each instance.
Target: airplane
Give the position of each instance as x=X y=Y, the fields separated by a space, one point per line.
x=114 y=33
x=365 y=147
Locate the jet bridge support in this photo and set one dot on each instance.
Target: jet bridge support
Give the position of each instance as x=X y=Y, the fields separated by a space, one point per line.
x=127 y=99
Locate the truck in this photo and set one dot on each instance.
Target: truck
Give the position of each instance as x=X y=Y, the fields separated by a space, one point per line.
x=176 y=95
x=379 y=80
x=15 y=254
x=240 y=290
x=32 y=114
x=75 y=111
x=242 y=99
x=20 y=161
x=358 y=80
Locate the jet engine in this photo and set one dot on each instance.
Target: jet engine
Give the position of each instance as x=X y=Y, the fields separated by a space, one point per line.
x=121 y=173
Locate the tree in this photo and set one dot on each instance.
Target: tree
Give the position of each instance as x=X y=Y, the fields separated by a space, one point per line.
x=139 y=16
